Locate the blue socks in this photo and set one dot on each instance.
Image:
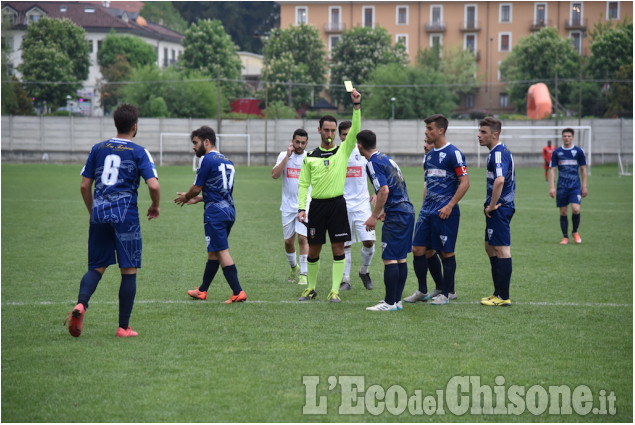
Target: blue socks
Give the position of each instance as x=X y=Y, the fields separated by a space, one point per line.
x=420 y=264
x=231 y=274
x=208 y=276
x=504 y=276
x=449 y=269
x=127 y=292
x=434 y=265
x=564 y=225
x=391 y=280
x=87 y=286
x=403 y=276
x=575 y=220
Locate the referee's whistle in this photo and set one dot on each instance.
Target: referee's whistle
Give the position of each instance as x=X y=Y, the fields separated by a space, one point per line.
x=329 y=140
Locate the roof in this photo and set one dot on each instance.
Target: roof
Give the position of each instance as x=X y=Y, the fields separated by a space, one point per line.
x=93 y=18
x=323 y=104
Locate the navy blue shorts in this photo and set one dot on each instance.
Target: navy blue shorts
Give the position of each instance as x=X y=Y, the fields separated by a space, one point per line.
x=106 y=239
x=565 y=197
x=396 y=235
x=497 y=231
x=217 y=235
x=437 y=234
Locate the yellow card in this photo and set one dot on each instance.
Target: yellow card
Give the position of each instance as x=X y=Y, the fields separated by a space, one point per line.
x=349 y=86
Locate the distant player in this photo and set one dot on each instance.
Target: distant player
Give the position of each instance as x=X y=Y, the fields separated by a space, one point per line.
x=358 y=209
x=571 y=163
x=288 y=165
x=116 y=167
x=546 y=155
x=215 y=178
x=434 y=263
x=324 y=169
x=437 y=227
x=499 y=209
x=394 y=208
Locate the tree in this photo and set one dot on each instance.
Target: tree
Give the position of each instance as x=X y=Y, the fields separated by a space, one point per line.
x=164 y=13
x=118 y=56
x=456 y=64
x=208 y=50
x=54 y=50
x=244 y=21
x=611 y=49
x=356 y=56
x=295 y=54
x=620 y=97
x=424 y=92
x=170 y=93
x=137 y=52
x=542 y=57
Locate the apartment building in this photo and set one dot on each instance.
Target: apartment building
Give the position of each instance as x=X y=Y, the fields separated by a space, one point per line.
x=488 y=29
x=97 y=20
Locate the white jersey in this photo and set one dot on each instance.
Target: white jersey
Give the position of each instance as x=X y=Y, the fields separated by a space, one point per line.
x=356 y=187
x=290 y=177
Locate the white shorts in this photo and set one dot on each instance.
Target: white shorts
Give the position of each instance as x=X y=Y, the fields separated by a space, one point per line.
x=291 y=225
x=356 y=220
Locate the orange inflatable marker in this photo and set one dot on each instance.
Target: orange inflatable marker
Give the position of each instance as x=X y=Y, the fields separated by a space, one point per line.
x=538 y=102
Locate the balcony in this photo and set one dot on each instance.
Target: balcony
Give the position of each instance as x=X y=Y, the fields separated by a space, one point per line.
x=436 y=26
x=539 y=24
x=334 y=27
x=576 y=24
x=470 y=26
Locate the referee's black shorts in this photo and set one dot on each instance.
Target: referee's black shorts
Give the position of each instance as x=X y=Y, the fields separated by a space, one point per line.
x=328 y=214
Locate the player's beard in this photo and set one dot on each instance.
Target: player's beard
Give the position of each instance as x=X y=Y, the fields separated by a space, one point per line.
x=200 y=151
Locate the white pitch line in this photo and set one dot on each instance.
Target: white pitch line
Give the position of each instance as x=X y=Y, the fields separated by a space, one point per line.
x=532 y=303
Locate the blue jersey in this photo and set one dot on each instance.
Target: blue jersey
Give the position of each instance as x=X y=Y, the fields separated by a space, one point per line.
x=500 y=163
x=116 y=166
x=216 y=175
x=383 y=171
x=442 y=169
x=568 y=162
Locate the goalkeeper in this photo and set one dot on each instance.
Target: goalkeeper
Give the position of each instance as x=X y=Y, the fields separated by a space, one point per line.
x=324 y=169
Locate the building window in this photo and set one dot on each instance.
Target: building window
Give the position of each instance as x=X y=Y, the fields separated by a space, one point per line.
x=612 y=10
x=436 y=14
x=576 y=40
x=469 y=101
x=301 y=15
x=90 y=46
x=576 y=13
x=368 y=13
x=498 y=70
x=335 y=15
x=540 y=14
x=333 y=40
x=165 y=57
x=173 y=59
x=34 y=15
x=505 y=13
x=436 y=41
x=403 y=39
x=504 y=42
x=402 y=15
x=10 y=15
x=469 y=43
x=470 y=16
x=503 y=100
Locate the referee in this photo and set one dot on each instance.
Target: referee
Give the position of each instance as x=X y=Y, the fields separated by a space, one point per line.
x=324 y=169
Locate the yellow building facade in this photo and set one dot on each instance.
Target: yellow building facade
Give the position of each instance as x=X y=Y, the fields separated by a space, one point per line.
x=488 y=29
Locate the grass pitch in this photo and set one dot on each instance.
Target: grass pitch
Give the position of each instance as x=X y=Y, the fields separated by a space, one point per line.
x=571 y=323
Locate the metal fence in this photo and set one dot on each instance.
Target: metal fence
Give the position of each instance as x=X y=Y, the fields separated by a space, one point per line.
x=69 y=139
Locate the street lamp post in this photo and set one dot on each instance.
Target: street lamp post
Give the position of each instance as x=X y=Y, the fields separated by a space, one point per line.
x=392 y=99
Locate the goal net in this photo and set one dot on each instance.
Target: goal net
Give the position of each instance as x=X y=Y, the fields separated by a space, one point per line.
x=228 y=143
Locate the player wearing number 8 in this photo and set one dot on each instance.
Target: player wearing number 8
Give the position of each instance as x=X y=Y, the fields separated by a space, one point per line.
x=215 y=178
x=115 y=166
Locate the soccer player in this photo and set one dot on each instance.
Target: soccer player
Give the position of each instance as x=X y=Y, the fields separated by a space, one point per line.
x=288 y=165
x=546 y=155
x=115 y=166
x=394 y=208
x=434 y=263
x=358 y=209
x=437 y=227
x=571 y=163
x=215 y=177
x=324 y=169
x=499 y=209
